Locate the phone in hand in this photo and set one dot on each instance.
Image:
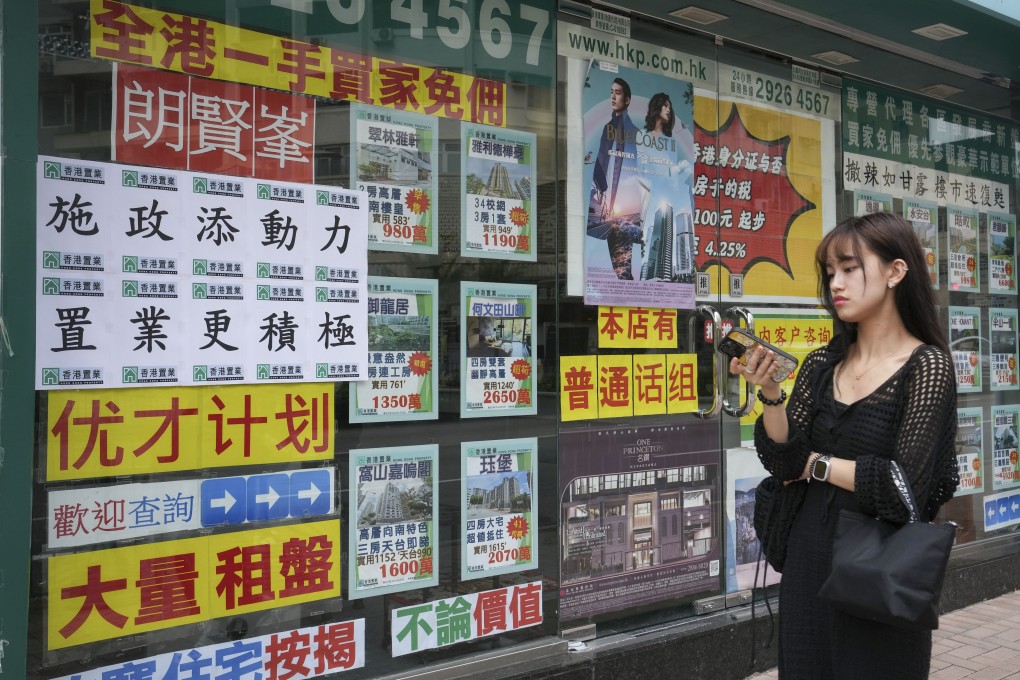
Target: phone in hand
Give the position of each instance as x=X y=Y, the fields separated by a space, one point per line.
x=738 y=343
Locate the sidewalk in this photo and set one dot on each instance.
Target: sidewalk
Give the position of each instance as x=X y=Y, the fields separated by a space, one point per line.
x=981 y=641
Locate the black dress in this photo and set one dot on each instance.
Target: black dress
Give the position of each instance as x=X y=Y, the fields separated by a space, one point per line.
x=910 y=418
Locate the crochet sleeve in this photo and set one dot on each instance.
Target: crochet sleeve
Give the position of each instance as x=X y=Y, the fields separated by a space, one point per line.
x=787 y=460
x=925 y=444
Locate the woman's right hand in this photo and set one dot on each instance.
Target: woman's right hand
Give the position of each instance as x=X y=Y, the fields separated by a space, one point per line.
x=761 y=366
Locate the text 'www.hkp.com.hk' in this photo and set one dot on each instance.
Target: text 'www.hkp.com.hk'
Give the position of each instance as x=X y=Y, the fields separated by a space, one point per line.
x=636 y=56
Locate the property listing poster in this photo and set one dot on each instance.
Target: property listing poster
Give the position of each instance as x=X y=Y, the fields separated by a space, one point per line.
x=1002 y=327
x=392 y=501
x=1002 y=253
x=1005 y=461
x=970 y=449
x=393 y=155
x=498 y=485
x=924 y=216
x=964 y=267
x=403 y=383
x=743 y=549
x=498 y=181
x=159 y=277
x=637 y=188
x=867 y=202
x=965 y=344
x=498 y=351
x=640 y=517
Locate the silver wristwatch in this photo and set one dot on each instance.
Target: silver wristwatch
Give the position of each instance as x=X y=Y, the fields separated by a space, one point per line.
x=821 y=468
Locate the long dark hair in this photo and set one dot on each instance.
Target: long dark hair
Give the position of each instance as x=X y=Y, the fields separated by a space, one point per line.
x=655 y=108
x=890 y=237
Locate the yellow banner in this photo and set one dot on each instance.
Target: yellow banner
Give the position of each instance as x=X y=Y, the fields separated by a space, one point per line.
x=578 y=394
x=197 y=47
x=111 y=593
x=116 y=432
x=682 y=383
x=637 y=328
x=614 y=386
x=650 y=392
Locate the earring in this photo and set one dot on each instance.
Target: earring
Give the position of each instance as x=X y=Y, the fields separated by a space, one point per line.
x=891 y=284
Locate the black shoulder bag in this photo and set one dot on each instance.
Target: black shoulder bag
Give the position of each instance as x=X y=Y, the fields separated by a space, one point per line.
x=889 y=574
x=775 y=506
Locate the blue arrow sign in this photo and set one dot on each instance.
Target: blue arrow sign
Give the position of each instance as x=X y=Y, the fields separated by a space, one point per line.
x=311 y=492
x=1014 y=506
x=223 y=501
x=267 y=497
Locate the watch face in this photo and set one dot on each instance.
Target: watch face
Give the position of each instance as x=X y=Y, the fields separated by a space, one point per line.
x=820 y=471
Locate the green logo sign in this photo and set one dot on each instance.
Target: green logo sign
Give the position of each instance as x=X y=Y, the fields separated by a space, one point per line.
x=264 y=191
x=51 y=260
x=129 y=374
x=200 y=185
x=50 y=286
x=263 y=372
x=129 y=263
x=261 y=292
x=322 y=197
x=200 y=373
x=199 y=291
x=321 y=294
x=129 y=289
x=129 y=178
x=51 y=170
x=262 y=271
x=321 y=370
x=51 y=376
x=321 y=273
x=200 y=267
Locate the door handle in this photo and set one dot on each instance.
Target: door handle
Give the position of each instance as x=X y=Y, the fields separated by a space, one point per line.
x=735 y=314
x=711 y=313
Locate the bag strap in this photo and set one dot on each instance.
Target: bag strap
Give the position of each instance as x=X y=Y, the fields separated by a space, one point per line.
x=906 y=494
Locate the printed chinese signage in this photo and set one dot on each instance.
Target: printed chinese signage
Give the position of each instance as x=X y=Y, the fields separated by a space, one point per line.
x=637 y=184
x=86 y=516
x=294 y=654
x=1001 y=253
x=1005 y=433
x=1002 y=329
x=176 y=121
x=107 y=433
x=637 y=327
x=924 y=217
x=403 y=328
x=392 y=161
x=497 y=187
x=867 y=202
x=465 y=617
x=639 y=518
x=498 y=349
x=623 y=385
x=965 y=342
x=152 y=277
x=210 y=49
x=964 y=253
x=393 y=494
x=498 y=485
x=104 y=594
x=970 y=450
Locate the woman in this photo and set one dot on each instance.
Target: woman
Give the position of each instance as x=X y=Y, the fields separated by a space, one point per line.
x=660 y=117
x=882 y=390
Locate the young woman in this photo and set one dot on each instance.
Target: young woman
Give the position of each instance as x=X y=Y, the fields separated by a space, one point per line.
x=882 y=390
x=660 y=117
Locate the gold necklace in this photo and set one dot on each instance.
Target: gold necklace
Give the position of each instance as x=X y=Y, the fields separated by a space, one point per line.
x=858 y=376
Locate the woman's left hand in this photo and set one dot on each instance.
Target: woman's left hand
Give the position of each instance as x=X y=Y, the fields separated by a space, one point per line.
x=761 y=366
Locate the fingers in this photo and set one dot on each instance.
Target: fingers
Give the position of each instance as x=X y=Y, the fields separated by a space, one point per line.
x=761 y=366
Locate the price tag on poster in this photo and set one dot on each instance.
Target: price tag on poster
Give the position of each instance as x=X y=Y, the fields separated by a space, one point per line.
x=392 y=160
x=970 y=449
x=924 y=216
x=498 y=484
x=867 y=202
x=1005 y=440
x=498 y=182
x=392 y=497
x=1001 y=253
x=403 y=383
x=1002 y=327
x=965 y=343
x=498 y=350
x=964 y=267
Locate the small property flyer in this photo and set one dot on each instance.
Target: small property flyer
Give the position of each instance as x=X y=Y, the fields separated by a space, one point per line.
x=1002 y=326
x=924 y=216
x=1005 y=462
x=497 y=193
x=403 y=383
x=498 y=349
x=970 y=450
x=867 y=202
x=392 y=160
x=498 y=487
x=1001 y=253
x=392 y=498
x=965 y=343
x=964 y=268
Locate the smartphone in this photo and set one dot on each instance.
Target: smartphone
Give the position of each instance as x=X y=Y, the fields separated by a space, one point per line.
x=739 y=342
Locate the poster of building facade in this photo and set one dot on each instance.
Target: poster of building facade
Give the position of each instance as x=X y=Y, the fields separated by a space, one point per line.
x=153 y=277
x=498 y=181
x=637 y=188
x=498 y=350
x=962 y=238
x=924 y=217
x=640 y=518
x=970 y=448
x=1003 y=348
x=1002 y=253
x=965 y=343
x=746 y=565
x=498 y=485
x=1005 y=434
x=403 y=337
x=392 y=499
x=393 y=153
